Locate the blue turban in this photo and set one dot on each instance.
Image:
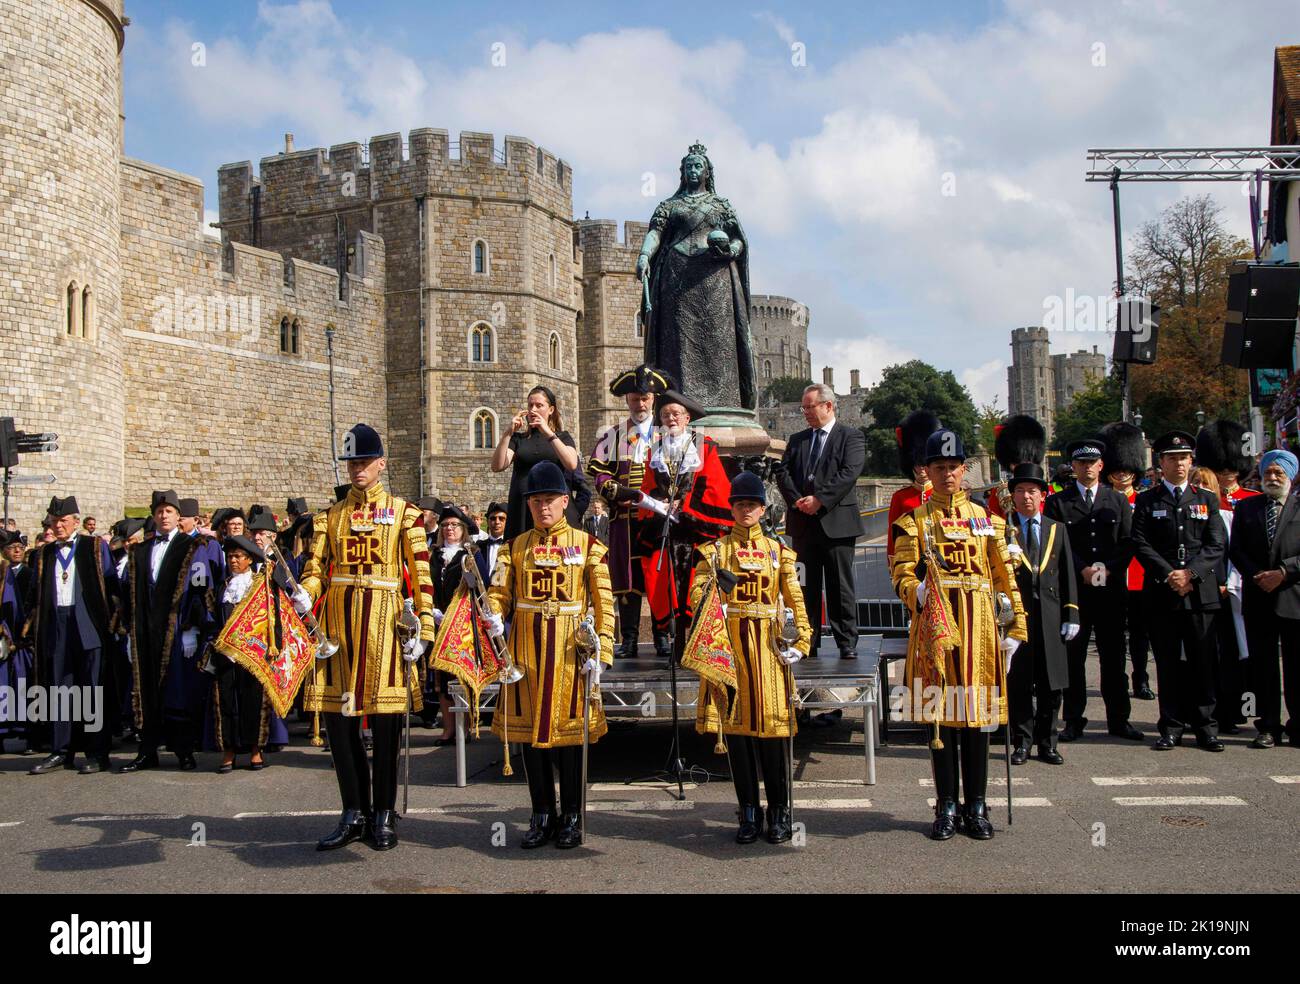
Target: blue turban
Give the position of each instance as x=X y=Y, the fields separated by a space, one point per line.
x=1283 y=459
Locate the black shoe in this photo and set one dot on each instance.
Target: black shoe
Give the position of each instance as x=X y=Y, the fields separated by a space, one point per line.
x=186 y=762
x=541 y=828
x=1048 y=754
x=628 y=651
x=1073 y=730
x=353 y=826
x=750 y=825
x=1020 y=755
x=1144 y=692
x=1210 y=744
x=945 y=821
x=145 y=760
x=1167 y=743
x=92 y=766
x=1227 y=728
x=570 y=832
x=1125 y=730
x=1264 y=740
x=779 y=826
x=58 y=760
x=225 y=768
x=976 y=821
x=827 y=719
x=848 y=654
x=384 y=831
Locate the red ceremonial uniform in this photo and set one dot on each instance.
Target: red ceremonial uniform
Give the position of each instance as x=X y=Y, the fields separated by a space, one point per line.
x=901 y=504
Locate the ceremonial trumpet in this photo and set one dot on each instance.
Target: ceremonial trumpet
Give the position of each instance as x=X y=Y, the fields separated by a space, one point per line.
x=509 y=673
x=325 y=646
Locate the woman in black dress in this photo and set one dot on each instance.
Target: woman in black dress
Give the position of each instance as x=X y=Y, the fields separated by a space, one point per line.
x=537 y=435
x=446 y=571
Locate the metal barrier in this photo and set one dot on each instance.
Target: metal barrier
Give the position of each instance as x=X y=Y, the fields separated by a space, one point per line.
x=879 y=609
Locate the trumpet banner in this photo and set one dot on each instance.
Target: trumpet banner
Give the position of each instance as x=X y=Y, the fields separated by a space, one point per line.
x=708 y=651
x=454 y=651
x=936 y=634
x=249 y=640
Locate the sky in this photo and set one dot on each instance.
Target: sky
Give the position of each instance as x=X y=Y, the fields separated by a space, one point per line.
x=912 y=172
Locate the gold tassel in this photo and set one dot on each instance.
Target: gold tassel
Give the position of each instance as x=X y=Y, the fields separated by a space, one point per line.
x=505 y=729
x=720 y=748
x=316 y=740
x=936 y=743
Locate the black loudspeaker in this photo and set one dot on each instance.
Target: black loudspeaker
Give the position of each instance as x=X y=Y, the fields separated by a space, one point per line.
x=1262 y=302
x=1137 y=325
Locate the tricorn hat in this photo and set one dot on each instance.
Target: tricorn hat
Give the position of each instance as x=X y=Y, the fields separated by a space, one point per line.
x=670 y=395
x=1220 y=446
x=245 y=544
x=1126 y=449
x=910 y=435
x=167 y=497
x=362 y=441
x=63 y=507
x=496 y=507
x=430 y=502
x=296 y=507
x=450 y=511
x=1017 y=439
x=642 y=379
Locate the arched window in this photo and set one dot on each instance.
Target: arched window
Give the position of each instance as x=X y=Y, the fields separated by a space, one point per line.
x=74 y=309
x=484 y=429
x=555 y=352
x=541 y=161
x=481 y=343
x=290 y=336
x=87 y=314
x=480 y=257
x=552 y=269
x=767 y=368
x=638 y=329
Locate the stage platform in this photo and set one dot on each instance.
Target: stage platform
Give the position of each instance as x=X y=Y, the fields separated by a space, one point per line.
x=642 y=688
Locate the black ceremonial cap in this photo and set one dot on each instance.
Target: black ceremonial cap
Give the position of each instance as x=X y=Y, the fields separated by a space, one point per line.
x=63 y=507
x=642 y=379
x=1174 y=442
x=944 y=444
x=190 y=508
x=362 y=441
x=545 y=477
x=450 y=511
x=296 y=507
x=747 y=485
x=1091 y=449
x=245 y=544
x=1027 y=471
x=495 y=507
x=166 y=497
x=668 y=396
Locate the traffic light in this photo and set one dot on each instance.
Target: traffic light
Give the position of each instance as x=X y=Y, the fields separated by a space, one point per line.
x=15 y=442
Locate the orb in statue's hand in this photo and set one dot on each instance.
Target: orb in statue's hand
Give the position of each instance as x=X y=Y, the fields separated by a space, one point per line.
x=720 y=242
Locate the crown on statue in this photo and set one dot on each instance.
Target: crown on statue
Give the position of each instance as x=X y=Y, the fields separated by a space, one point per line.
x=697 y=149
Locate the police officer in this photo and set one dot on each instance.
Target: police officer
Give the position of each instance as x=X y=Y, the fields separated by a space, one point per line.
x=1099 y=522
x=1180 y=541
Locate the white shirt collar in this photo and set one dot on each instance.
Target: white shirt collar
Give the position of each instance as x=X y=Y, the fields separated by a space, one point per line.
x=1174 y=489
x=68 y=543
x=826 y=427
x=1083 y=489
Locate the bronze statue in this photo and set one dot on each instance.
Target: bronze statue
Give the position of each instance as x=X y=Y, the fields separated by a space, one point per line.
x=694 y=268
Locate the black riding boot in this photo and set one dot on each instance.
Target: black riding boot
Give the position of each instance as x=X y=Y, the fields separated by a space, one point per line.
x=975 y=779
x=569 y=760
x=541 y=790
x=774 y=755
x=943 y=762
x=744 y=776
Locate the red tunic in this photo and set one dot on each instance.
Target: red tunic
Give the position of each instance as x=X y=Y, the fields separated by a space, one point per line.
x=1230 y=500
x=1134 y=568
x=901 y=503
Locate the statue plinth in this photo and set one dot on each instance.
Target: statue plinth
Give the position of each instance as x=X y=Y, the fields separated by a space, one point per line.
x=738 y=435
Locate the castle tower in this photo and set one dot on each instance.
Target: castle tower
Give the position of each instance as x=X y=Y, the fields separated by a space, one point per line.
x=60 y=82
x=482 y=276
x=780 y=329
x=1031 y=385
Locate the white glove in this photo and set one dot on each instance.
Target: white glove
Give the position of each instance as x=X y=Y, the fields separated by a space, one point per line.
x=592 y=668
x=189 y=643
x=724 y=611
x=1069 y=630
x=412 y=648
x=496 y=627
x=1013 y=550
x=301 y=601
x=659 y=506
x=437 y=617
x=1010 y=645
x=921 y=590
x=789 y=656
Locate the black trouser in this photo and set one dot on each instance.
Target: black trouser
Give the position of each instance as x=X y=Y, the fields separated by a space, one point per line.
x=178 y=732
x=540 y=766
x=1229 y=669
x=1027 y=680
x=351 y=767
x=1265 y=631
x=629 y=617
x=1138 y=642
x=71 y=665
x=970 y=747
x=748 y=755
x=1101 y=611
x=1186 y=685
x=828 y=561
x=240 y=698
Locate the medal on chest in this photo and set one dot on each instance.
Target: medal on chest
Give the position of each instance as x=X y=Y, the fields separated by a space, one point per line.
x=1198 y=510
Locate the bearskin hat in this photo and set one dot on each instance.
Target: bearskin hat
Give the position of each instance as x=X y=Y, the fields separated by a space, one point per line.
x=1019 y=438
x=910 y=436
x=1220 y=446
x=1126 y=449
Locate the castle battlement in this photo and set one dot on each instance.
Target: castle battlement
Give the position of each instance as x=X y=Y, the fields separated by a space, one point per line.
x=353 y=175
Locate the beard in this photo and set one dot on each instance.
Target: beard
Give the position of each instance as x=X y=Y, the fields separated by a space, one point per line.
x=1275 y=490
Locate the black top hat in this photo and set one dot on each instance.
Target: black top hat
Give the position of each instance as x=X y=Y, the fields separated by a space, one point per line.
x=1027 y=471
x=63 y=507
x=944 y=444
x=165 y=498
x=910 y=436
x=245 y=544
x=1220 y=447
x=1089 y=449
x=642 y=379
x=747 y=485
x=450 y=511
x=261 y=518
x=1174 y=442
x=296 y=507
x=695 y=410
x=190 y=508
x=1019 y=438
x=496 y=507
x=1126 y=448
x=545 y=477
x=362 y=441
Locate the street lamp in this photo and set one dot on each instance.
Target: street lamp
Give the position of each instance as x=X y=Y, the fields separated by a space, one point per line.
x=1137 y=418
x=1200 y=417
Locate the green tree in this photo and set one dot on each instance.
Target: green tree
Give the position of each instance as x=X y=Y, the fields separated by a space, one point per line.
x=909 y=386
x=784 y=389
x=989 y=416
x=1094 y=406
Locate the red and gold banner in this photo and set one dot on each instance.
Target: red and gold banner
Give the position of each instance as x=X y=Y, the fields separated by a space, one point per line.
x=454 y=651
x=249 y=639
x=708 y=651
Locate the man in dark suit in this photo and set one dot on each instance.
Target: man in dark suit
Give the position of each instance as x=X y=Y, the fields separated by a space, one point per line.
x=1099 y=521
x=1044 y=568
x=817 y=478
x=1180 y=540
x=1265 y=548
x=74 y=580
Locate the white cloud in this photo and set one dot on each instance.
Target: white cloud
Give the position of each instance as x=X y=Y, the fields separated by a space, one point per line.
x=987 y=383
